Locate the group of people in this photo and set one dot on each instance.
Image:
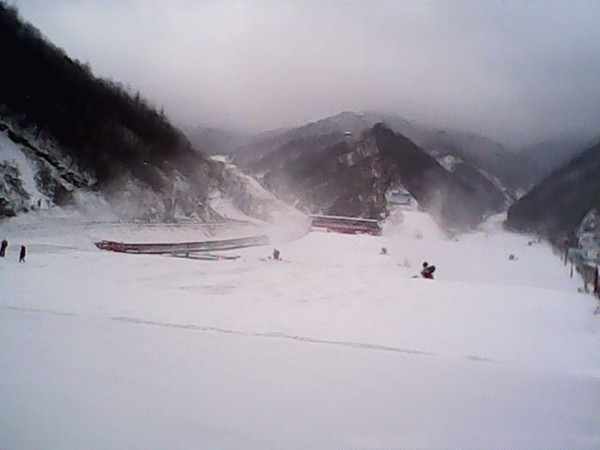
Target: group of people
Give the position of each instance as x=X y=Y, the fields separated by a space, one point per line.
x=4 y=246
x=426 y=272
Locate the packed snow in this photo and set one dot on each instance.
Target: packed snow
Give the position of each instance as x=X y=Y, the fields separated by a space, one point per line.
x=335 y=347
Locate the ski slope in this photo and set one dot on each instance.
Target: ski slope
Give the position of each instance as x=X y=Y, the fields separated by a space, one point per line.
x=336 y=347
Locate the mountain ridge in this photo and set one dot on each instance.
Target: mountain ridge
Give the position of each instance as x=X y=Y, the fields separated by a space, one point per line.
x=555 y=206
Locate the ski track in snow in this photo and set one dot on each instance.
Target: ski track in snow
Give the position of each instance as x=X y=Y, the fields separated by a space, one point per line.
x=270 y=334
x=42 y=311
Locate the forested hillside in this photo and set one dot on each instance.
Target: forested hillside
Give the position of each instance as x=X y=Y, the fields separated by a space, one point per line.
x=115 y=135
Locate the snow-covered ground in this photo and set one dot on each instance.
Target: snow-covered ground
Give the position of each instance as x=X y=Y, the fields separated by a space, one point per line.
x=336 y=347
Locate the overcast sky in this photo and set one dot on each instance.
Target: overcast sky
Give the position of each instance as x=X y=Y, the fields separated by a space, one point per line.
x=516 y=71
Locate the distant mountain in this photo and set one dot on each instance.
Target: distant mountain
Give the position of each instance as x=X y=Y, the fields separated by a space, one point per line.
x=556 y=205
x=305 y=165
x=337 y=173
x=499 y=165
x=346 y=123
x=546 y=156
x=216 y=141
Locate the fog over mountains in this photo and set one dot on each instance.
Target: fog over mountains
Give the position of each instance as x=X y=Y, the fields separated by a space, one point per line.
x=517 y=168
x=517 y=72
x=345 y=164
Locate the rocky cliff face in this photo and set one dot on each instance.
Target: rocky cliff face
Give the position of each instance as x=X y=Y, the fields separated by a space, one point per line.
x=32 y=176
x=38 y=174
x=14 y=197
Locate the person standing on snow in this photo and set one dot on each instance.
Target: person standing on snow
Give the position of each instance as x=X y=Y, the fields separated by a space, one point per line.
x=3 y=248
x=427 y=271
x=22 y=254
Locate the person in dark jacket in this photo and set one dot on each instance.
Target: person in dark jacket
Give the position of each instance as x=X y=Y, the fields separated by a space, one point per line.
x=22 y=254
x=427 y=271
x=276 y=254
x=3 y=247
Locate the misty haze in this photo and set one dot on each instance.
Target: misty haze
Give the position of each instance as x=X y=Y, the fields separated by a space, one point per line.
x=299 y=224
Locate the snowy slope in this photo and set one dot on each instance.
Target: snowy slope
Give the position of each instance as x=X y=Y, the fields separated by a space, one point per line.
x=336 y=347
x=11 y=153
x=240 y=193
x=35 y=173
x=18 y=189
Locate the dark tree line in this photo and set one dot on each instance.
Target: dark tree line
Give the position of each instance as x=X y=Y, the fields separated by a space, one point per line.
x=105 y=128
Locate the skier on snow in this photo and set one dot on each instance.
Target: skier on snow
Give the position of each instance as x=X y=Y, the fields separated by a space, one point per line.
x=427 y=271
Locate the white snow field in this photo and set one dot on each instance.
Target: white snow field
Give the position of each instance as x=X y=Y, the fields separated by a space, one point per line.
x=336 y=347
